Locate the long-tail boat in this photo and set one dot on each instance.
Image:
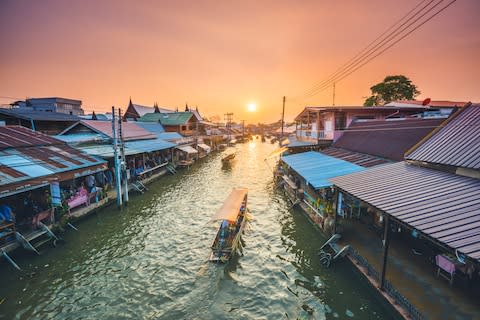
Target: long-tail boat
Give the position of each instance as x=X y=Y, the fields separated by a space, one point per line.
x=233 y=216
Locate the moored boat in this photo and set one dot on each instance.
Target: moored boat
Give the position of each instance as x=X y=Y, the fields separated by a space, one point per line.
x=228 y=157
x=233 y=216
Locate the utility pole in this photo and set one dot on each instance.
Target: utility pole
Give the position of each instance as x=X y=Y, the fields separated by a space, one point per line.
x=243 y=130
x=283 y=116
x=122 y=156
x=118 y=180
x=334 y=94
x=228 y=117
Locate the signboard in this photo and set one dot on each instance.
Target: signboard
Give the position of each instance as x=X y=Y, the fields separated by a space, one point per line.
x=55 y=193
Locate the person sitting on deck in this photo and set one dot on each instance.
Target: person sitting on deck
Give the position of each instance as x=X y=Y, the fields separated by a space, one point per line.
x=6 y=214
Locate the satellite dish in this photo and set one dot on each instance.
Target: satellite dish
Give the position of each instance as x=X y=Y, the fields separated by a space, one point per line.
x=426 y=102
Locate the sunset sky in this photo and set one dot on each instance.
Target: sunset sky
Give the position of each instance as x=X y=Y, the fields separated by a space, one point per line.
x=223 y=55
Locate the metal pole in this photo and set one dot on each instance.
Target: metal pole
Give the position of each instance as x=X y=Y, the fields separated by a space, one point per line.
x=336 y=197
x=122 y=155
x=386 y=243
x=115 y=161
x=283 y=115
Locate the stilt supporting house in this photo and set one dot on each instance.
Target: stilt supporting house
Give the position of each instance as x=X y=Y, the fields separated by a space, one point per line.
x=386 y=243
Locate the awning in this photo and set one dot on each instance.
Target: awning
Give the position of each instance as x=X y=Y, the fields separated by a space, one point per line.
x=444 y=206
x=277 y=152
x=149 y=145
x=317 y=168
x=206 y=148
x=294 y=142
x=187 y=149
x=230 y=208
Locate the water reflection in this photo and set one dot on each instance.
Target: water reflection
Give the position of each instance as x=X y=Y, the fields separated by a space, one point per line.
x=149 y=260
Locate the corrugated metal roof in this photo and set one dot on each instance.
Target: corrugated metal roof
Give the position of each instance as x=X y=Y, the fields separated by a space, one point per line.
x=170 y=136
x=82 y=137
x=149 y=145
x=360 y=159
x=388 y=139
x=456 y=144
x=130 y=129
x=22 y=164
x=38 y=115
x=16 y=137
x=131 y=147
x=317 y=168
x=155 y=127
x=442 y=205
x=167 y=119
x=294 y=142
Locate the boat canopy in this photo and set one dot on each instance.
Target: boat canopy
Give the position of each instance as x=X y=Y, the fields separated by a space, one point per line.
x=205 y=147
x=230 y=208
x=187 y=149
x=277 y=152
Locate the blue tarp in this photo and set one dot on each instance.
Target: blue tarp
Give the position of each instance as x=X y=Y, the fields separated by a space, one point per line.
x=317 y=168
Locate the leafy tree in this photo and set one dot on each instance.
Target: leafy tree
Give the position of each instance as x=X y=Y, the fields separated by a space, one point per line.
x=391 y=89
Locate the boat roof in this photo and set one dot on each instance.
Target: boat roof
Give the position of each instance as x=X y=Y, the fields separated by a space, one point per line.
x=231 y=206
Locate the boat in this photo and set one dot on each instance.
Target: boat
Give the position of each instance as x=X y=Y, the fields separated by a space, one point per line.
x=185 y=163
x=233 y=216
x=228 y=157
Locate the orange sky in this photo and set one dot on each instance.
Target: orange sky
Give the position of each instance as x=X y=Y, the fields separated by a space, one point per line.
x=220 y=56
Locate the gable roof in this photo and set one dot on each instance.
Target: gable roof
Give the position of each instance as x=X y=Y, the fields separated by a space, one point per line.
x=29 y=159
x=130 y=130
x=388 y=139
x=457 y=143
x=170 y=119
x=28 y=114
x=153 y=127
x=17 y=137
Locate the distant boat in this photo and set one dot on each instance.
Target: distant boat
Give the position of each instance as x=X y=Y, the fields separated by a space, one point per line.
x=229 y=156
x=233 y=214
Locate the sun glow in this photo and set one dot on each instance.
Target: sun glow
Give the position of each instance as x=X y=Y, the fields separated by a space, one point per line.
x=252 y=107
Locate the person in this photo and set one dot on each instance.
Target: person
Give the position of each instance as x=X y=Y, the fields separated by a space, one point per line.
x=90 y=181
x=6 y=214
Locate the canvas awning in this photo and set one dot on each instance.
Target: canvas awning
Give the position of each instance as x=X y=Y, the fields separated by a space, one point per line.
x=187 y=149
x=230 y=208
x=277 y=152
x=206 y=148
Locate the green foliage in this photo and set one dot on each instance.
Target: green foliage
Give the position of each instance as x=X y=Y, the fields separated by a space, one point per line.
x=392 y=88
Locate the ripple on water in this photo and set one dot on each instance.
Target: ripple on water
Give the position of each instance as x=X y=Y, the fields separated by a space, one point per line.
x=148 y=261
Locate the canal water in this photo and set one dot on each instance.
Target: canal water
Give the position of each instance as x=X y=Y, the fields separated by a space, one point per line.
x=148 y=261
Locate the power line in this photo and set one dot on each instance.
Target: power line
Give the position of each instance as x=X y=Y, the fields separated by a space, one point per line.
x=358 y=66
x=362 y=52
x=360 y=62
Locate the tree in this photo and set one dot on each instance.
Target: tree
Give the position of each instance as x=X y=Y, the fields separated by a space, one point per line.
x=391 y=89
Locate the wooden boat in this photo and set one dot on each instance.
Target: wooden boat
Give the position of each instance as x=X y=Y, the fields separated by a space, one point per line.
x=228 y=157
x=185 y=163
x=233 y=216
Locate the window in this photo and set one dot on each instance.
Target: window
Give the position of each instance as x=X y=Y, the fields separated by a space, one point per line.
x=340 y=121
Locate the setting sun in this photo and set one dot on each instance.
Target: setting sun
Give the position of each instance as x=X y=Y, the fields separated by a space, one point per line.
x=252 y=107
